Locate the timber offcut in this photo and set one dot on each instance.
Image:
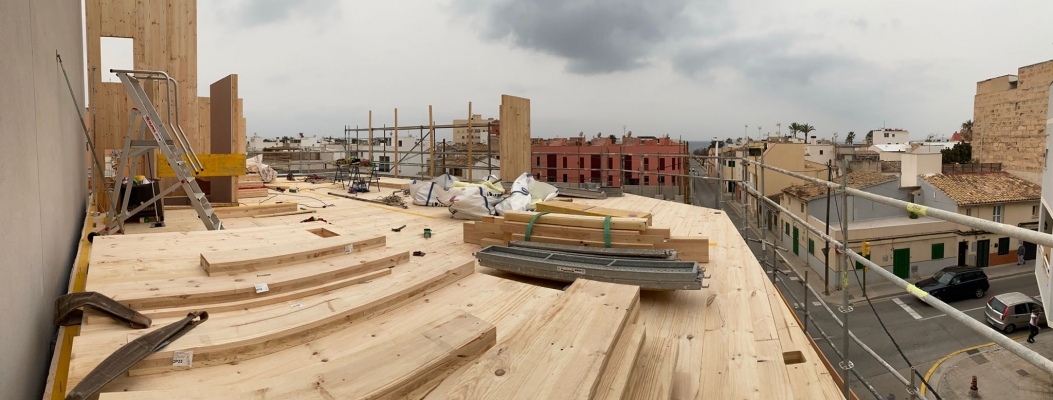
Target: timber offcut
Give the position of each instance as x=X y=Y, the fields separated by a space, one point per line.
x=344 y=307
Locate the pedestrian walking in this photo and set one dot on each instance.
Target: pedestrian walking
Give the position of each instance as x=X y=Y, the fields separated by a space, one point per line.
x=1033 y=326
x=1020 y=254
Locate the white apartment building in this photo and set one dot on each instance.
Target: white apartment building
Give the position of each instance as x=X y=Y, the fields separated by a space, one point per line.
x=891 y=136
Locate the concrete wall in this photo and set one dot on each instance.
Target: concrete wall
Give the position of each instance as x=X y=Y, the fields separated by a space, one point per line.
x=1009 y=122
x=788 y=156
x=934 y=198
x=43 y=179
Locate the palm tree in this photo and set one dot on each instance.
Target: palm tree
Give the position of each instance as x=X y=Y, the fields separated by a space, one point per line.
x=967 y=130
x=806 y=129
x=794 y=128
x=850 y=138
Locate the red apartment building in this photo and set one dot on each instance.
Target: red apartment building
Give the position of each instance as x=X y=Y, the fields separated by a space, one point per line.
x=632 y=160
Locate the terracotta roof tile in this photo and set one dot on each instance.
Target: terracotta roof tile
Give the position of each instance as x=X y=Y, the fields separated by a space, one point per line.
x=972 y=189
x=856 y=180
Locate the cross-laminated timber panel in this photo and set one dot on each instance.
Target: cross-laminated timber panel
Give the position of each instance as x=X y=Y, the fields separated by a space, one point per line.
x=164 y=34
x=726 y=341
x=515 y=137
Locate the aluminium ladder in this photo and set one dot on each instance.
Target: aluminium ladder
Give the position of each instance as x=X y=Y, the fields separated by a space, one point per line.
x=169 y=139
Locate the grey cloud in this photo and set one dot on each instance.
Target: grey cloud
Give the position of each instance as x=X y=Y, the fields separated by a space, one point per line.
x=860 y=23
x=594 y=37
x=779 y=64
x=775 y=58
x=262 y=12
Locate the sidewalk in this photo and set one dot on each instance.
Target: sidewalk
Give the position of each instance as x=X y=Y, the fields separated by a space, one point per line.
x=999 y=373
x=875 y=291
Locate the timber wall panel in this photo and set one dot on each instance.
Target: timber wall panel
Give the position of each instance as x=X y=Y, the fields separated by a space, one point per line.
x=515 y=136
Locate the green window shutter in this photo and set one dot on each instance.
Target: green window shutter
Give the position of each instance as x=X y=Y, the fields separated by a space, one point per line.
x=811 y=246
x=787 y=227
x=937 y=251
x=1003 y=246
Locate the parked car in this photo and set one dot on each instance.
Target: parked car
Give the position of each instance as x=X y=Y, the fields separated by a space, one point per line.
x=1011 y=311
x=956 y=282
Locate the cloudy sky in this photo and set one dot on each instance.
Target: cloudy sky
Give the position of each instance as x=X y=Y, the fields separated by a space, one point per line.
x=691 y=69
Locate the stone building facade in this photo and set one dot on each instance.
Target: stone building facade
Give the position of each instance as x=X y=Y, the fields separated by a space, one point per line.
x=1009 y=120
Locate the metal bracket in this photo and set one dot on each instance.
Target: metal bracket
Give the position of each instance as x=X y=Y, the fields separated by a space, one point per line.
x=67 y=309
x=843 y=367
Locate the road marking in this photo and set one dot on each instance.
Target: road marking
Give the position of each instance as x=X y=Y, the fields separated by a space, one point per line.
x=944 y=315
x=907 y=308
x=817 y=304
x=928 y=375
x=794 y=278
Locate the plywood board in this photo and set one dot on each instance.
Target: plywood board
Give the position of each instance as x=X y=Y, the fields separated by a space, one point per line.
x=515 y=137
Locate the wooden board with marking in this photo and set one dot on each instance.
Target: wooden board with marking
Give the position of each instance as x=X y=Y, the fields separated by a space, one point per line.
x=216 y=165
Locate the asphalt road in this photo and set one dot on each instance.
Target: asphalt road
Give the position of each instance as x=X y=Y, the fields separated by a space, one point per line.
x=924 y=334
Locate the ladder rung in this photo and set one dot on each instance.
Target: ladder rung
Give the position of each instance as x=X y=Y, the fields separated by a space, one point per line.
x=199 y=195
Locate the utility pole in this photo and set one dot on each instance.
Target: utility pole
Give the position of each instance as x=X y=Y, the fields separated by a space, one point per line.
x=826 y=250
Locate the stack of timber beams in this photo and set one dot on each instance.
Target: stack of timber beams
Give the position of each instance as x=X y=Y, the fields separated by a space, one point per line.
x=580 y=230
x=250 y=186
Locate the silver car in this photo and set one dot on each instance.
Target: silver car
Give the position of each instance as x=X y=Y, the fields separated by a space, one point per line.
x=1011 y=311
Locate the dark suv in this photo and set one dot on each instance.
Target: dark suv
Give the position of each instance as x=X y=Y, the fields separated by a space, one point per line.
x=956 y=282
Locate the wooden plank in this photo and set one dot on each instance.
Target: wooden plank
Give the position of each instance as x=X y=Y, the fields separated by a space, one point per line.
x=254 y=210
x=589 y=234
x=492 y=242
x=615 y=381
x=687 y=248
x=253 y=193
x=216 y=165
x=588 y=209
x=175 y=292
x=560 y=353
x=262 y=301
x=562 y=207
x=515 y=137
x=250 y=335
x=614 y=212
x=653 y=378
x=233 y=262
x=637 y=224
x=405 y=363
x=282 y=214
x=586 y=243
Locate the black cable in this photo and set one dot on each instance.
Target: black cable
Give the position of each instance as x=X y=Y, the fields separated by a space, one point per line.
x=878 y=316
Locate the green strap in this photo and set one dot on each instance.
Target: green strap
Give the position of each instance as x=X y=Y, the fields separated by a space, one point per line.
x=530 y=227
x=607 y=232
